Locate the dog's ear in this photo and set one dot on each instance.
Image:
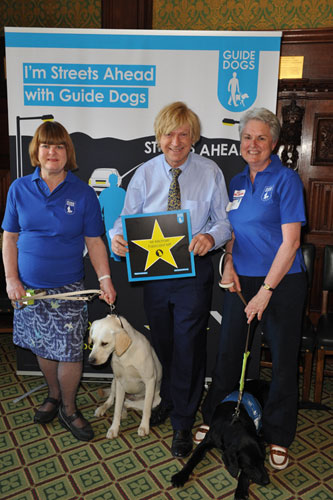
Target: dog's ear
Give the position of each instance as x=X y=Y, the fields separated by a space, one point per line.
x=231 y=461
x=122 y=342
x=90 y=333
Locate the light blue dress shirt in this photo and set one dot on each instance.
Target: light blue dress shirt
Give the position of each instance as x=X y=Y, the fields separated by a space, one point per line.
x=203 y=193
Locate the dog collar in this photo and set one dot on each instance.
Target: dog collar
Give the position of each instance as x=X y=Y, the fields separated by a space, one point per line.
x=251 y=404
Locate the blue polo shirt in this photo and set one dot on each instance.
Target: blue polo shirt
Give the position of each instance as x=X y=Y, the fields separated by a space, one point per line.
x=51 y=227
x=256 y=213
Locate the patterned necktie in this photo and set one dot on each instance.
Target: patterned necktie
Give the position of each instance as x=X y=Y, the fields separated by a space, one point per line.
x=174 y=191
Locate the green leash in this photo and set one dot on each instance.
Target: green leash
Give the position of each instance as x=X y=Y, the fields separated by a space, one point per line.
x=246 y=351
x=242 y=377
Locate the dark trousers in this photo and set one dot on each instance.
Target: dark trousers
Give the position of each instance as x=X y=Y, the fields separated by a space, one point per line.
x=281 y=324
x=178 y=312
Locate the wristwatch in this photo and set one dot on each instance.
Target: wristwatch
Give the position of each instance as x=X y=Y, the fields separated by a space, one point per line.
x=267 y=287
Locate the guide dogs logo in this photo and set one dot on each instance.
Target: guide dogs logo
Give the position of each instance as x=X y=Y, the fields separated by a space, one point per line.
x=70 y=207
x=267 y=193
x=238 y=76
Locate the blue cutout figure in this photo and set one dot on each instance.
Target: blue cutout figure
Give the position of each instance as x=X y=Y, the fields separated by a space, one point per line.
x=111 y=200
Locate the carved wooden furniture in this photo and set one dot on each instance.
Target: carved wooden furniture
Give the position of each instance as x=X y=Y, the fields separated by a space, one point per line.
x=325 y=325
x=305 y=108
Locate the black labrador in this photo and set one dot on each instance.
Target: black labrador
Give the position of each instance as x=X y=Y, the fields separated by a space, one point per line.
x=243 y=450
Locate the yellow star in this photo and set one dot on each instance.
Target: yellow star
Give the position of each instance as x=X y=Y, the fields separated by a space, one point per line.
x=158 y=247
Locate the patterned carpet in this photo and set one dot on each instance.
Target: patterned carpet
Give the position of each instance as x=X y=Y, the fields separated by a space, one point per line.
x=47 y=463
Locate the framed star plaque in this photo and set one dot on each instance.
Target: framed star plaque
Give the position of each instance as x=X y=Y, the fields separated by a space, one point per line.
x=158 y=245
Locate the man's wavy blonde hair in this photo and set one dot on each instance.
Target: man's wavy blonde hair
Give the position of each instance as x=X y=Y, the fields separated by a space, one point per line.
x=176 y=115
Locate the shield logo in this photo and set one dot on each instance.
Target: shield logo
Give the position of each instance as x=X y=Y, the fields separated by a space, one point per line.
x=238 y=75
x=70 y=207
x=267 y=193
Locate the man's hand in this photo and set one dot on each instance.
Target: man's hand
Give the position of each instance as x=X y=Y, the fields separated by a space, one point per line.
x=119 y=245
x=201 y=244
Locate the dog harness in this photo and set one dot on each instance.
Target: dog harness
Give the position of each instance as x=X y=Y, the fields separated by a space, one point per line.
x=251 y=405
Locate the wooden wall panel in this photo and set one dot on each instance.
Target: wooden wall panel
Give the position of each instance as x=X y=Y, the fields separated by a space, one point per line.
x=127 y=14
x=322 y=142
x=314 y=94
x=4 y=186
x=316 y=47
x=320 y=207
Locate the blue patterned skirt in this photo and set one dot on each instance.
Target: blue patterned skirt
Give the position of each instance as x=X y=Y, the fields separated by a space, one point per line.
x=53 y=329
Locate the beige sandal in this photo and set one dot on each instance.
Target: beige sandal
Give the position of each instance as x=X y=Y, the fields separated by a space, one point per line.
x=278 y=457
x=201 y=434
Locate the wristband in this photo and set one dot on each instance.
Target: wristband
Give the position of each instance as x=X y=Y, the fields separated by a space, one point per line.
x=226 y=285
x=267 y=287
x=221 y=265
x=104 y=277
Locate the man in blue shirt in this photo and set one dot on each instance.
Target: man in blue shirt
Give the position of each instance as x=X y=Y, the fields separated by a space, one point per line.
x=178 y=309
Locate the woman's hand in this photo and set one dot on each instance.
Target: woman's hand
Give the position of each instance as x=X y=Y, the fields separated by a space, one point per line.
x=100 y=262
x=257 y=304
x=229 y=275
x=15 y=289
x=109 y=293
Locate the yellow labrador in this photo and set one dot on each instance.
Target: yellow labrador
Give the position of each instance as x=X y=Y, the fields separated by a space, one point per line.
x=137 y=371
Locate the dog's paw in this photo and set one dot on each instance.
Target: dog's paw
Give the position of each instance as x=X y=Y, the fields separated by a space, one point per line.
x=143 y=430
x=179 y=479
x=112 y=433
x=100 y=411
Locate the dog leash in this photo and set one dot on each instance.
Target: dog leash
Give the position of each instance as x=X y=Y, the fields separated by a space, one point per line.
x=116 y=313
x=246 y=354
x=242 y=377
x=78 y=295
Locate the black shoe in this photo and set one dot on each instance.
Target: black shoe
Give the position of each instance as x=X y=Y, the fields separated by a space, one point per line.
x=83 y=433
x=182 y=444
x=43 y=417
x=159 y=414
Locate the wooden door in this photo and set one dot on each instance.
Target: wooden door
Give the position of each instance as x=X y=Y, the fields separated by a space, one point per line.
x=305 y=107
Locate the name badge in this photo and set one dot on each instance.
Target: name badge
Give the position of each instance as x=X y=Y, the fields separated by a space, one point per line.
x=238 y=196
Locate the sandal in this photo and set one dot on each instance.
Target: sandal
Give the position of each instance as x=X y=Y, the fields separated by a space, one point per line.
x=201 y=433
x=278 y=457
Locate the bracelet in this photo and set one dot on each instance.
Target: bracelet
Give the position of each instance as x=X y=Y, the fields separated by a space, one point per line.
x=221 y=263
x=104 y=277
x=267 y=287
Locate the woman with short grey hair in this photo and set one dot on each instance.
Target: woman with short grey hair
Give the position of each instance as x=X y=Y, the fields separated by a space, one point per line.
x=264 y=261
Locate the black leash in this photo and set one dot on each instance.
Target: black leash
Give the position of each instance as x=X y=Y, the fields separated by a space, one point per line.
x=115 y=312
